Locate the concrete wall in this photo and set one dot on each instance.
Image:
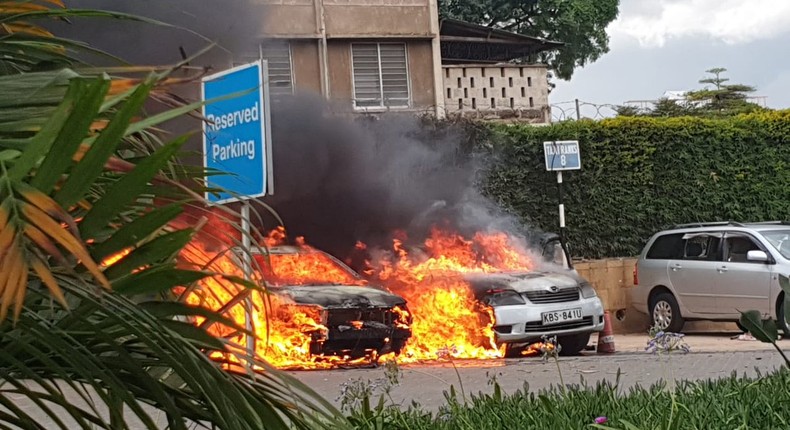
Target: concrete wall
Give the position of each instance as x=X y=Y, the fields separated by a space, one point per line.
x=347 y=18
x=421 y=74
x=376 y=18
x=500 y=91
x=304 y=66
x=613 y=280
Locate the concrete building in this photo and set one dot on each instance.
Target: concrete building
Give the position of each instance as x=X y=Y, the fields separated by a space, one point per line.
x=481 y=82
x=369 y=55
x=395 y=55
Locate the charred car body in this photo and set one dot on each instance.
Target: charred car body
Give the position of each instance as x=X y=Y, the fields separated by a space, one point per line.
x=356 y=319
x=530 y=305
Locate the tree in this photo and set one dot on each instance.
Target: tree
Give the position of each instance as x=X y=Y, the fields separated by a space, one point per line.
x=85 y=179
x=721 y=100
x=724 y=99
x=667 y=107
x=580 y=24
x=625 y=110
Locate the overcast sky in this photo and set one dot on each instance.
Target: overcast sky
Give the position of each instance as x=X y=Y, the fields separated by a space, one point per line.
x=661 y=45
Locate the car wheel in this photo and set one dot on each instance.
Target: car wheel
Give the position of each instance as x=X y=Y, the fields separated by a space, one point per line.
x=781 y=319
x=665 y=313
x=573 y=344
x=513 y=350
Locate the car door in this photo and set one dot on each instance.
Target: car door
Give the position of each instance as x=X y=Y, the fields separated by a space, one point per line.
x=692 y=276
x=742 y=285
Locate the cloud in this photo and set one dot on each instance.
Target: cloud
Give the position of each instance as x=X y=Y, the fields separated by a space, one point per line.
x=653 y=22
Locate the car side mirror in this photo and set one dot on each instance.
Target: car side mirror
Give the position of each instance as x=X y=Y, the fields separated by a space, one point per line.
x=757 y=255
x=553 y=253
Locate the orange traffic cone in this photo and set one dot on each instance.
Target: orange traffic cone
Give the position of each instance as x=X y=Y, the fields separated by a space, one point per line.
x=606 y=337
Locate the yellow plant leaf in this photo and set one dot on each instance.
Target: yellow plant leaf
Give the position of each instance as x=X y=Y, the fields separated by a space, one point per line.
x=6 y=237
x=69 y=242
x=49 y=206
x=46 y=277
x=3 y=276
x=119 y=86
x=26 y=28
x=40 y=239
x=21 y=289
x=14 y=267
x=3 y=217
x=58 y=3
x=13 y=8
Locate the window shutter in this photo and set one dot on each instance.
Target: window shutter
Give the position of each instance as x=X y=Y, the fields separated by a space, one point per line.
x=278 y=56
x=394 y=75
x=367 y=80
x=380 y=75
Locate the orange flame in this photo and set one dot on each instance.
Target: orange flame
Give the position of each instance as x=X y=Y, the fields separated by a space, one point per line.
x=448 y=320
x=112 y=259
x=284 y=330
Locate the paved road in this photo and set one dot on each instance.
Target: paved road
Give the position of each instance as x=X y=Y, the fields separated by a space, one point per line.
x=711 y=357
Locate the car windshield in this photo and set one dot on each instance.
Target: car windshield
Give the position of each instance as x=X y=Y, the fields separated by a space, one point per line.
x=779 y=239
x=307 y=267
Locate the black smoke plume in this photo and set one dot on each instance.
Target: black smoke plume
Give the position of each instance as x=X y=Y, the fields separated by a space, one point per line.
x=340 y=180
x=189 y=26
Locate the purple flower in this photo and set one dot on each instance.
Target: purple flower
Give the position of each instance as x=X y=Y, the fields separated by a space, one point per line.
x=601 y=420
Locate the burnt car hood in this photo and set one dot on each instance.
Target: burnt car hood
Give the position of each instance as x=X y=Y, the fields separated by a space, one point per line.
x=341 y=296
x=524 y=281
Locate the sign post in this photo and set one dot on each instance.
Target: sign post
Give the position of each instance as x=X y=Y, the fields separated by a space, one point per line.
x=562 y=155
x=237 y=145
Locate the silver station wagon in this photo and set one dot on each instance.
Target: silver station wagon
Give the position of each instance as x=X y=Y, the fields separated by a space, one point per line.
x=713 y=271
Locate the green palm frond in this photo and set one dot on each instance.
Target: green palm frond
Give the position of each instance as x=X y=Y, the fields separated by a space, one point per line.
x=68 y=202
x=86 y=180
x=112 y=352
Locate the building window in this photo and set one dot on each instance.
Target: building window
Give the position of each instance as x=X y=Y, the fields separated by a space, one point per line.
x=278 y=56
x=380 y=75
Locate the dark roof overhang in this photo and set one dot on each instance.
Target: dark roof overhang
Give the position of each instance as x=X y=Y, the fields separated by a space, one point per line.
x=464 y=42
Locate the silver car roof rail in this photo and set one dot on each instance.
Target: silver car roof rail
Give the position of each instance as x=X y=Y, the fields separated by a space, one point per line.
x=709 y=224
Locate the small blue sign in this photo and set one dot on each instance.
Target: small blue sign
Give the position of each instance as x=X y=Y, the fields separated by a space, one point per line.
x=562 y=155
x=236 y=133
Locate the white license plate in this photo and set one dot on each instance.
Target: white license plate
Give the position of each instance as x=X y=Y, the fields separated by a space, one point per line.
x=556 y=317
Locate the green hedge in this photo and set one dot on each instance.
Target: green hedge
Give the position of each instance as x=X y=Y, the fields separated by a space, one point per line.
x=729 y=403
x=640 y=175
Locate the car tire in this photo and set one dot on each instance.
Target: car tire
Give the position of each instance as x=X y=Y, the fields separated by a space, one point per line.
x=573 y=344
x=782 y=322
x=665 y=313
x=513 y=350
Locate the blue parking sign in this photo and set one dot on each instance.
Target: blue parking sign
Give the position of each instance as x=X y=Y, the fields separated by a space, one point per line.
x=236 y=133
x=562 y=155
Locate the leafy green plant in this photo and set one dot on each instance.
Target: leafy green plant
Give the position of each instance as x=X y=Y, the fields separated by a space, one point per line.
x=113 y=353
x=731 y=402
x=93 y=213
x=664 y=344
x=355 y=398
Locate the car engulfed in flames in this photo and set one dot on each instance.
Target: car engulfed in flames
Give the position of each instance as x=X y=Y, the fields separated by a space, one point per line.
x=351 y=318
x=310 y=312
x=479 y=297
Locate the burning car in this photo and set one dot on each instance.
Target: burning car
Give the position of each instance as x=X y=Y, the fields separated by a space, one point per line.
x=528 y=305
x=349 y=317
